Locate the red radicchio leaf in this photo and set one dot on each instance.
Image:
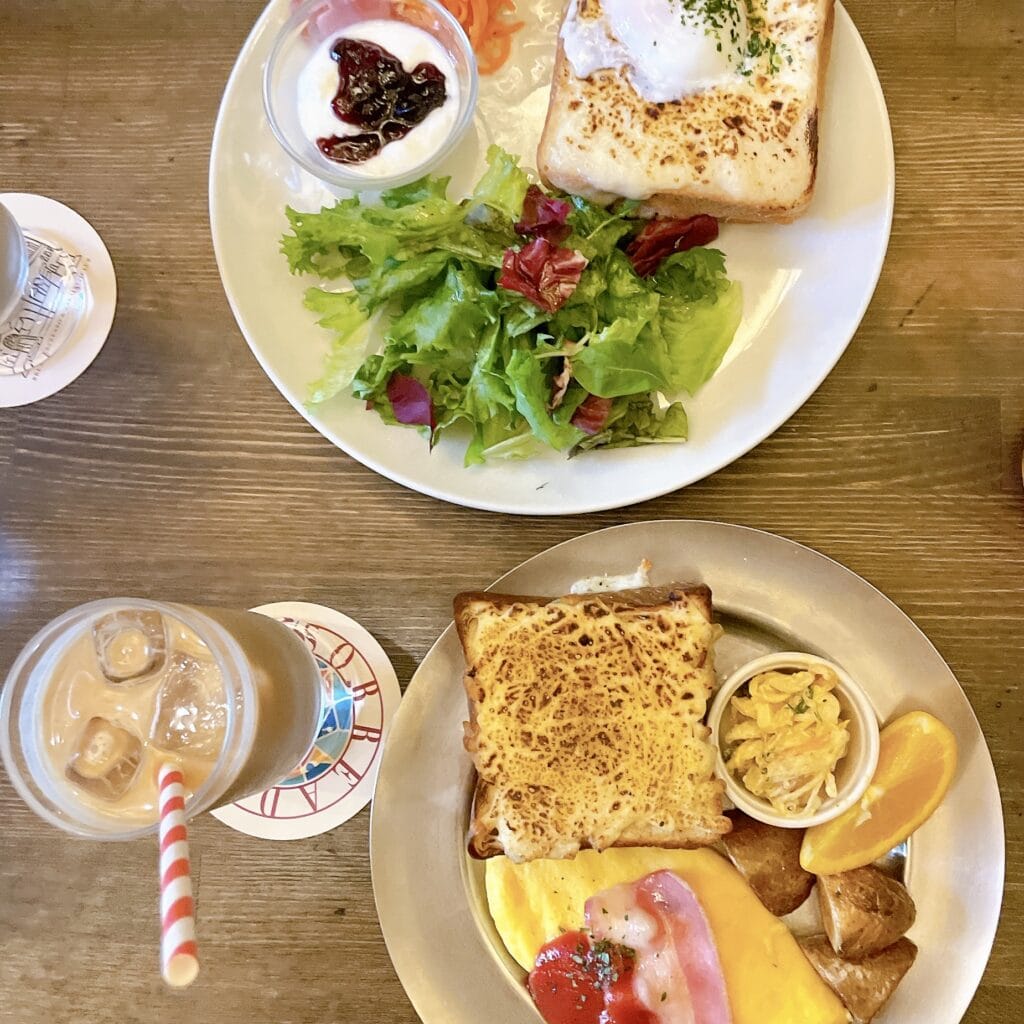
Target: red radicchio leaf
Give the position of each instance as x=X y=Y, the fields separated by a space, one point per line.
x=544 y=216
x=542 y=272
x=592 y=414
x=410 y=401
x=662 y=237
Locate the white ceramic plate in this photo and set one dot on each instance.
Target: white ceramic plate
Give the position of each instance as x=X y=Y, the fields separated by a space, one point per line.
x=806 y=285
x=771 y=594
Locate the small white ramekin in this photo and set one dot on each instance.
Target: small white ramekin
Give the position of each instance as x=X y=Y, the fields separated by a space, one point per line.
x=855 y=769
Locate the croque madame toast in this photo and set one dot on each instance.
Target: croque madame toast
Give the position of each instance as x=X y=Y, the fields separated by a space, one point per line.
x=743 y=149
x=586 y=721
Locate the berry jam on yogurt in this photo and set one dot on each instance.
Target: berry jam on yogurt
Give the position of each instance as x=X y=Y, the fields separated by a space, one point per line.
x=380 y=99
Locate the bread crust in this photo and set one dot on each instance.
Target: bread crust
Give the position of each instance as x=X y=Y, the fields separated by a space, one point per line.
x=638 y=597
x=562 y=132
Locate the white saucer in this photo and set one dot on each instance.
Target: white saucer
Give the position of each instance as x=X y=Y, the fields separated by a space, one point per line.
x=361 y=694
x=59 y=225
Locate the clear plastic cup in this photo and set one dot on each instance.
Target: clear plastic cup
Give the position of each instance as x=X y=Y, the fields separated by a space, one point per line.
x=265 y=718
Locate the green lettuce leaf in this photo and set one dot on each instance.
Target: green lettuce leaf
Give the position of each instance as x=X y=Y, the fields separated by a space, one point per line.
x=612 y=363
x=327 y=242
x=503 y=186
x=324 y=243
x=695 y=274
x=635 y=421
x=487 y=391
x=443 y=329
x=342 y=314
x=596 y=231
x=531 y=386
x=415 y=192
x=426 y=268
x=696 y=336
x=408 y=280
x=482 y=242
x=505 y=436
x=371 y=379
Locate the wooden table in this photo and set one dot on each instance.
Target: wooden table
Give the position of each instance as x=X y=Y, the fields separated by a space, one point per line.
x=174 y=469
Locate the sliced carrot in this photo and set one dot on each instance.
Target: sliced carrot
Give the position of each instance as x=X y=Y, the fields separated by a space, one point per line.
x=489 y=32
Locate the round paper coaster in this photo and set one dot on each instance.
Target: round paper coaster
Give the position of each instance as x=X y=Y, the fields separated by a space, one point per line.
x=360 y=696
x=65 y=315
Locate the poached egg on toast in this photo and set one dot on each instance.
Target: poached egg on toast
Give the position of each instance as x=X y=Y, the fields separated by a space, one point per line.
x=691 y=106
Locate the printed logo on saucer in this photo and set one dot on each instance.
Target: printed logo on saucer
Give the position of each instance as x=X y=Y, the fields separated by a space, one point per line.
x=349 y=740
x=54 y=302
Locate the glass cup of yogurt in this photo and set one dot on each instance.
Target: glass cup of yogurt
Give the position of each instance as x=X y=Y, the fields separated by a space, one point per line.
x=370 y=94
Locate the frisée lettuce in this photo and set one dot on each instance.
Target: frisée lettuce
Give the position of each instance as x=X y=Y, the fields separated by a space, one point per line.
x=526 y=318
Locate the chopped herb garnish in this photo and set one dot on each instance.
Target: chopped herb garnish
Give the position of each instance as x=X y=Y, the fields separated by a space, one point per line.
x=604 y=961
x=718 y=15
x=664 y=996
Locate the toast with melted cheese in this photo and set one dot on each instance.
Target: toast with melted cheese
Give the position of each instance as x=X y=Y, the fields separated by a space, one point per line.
x=586 y=721
x=742 y=149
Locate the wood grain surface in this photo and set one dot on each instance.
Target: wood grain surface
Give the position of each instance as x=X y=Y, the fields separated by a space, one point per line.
x=174 y=469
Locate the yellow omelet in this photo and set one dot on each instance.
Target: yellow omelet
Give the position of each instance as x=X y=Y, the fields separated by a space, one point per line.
x=768 y=978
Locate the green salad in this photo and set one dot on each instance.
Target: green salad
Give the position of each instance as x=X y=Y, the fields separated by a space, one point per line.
x=521 y=317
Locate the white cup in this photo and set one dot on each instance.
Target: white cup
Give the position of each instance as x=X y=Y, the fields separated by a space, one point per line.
x=13 y=263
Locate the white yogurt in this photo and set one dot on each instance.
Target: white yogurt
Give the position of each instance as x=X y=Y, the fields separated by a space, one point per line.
x=317 y=86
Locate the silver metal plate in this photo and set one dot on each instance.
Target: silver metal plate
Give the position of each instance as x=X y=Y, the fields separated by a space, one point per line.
x=771 y=594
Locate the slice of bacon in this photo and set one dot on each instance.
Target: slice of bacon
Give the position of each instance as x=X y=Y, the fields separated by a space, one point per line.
x=544 y=273
x=663 y=236
x=667 y=895
x=544 y=216
x=592 y=414
x=677 y=975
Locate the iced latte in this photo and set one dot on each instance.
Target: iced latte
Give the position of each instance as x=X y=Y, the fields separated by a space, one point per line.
x=103 y=696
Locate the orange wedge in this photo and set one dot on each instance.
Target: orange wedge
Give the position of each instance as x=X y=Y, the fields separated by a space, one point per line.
x=916 y=762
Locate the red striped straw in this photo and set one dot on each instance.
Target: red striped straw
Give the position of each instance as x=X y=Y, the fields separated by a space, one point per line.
x=179 y=957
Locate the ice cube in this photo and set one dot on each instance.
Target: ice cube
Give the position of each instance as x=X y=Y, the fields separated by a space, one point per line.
x=191 y=713
x=106 y=759
x=130 y=645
